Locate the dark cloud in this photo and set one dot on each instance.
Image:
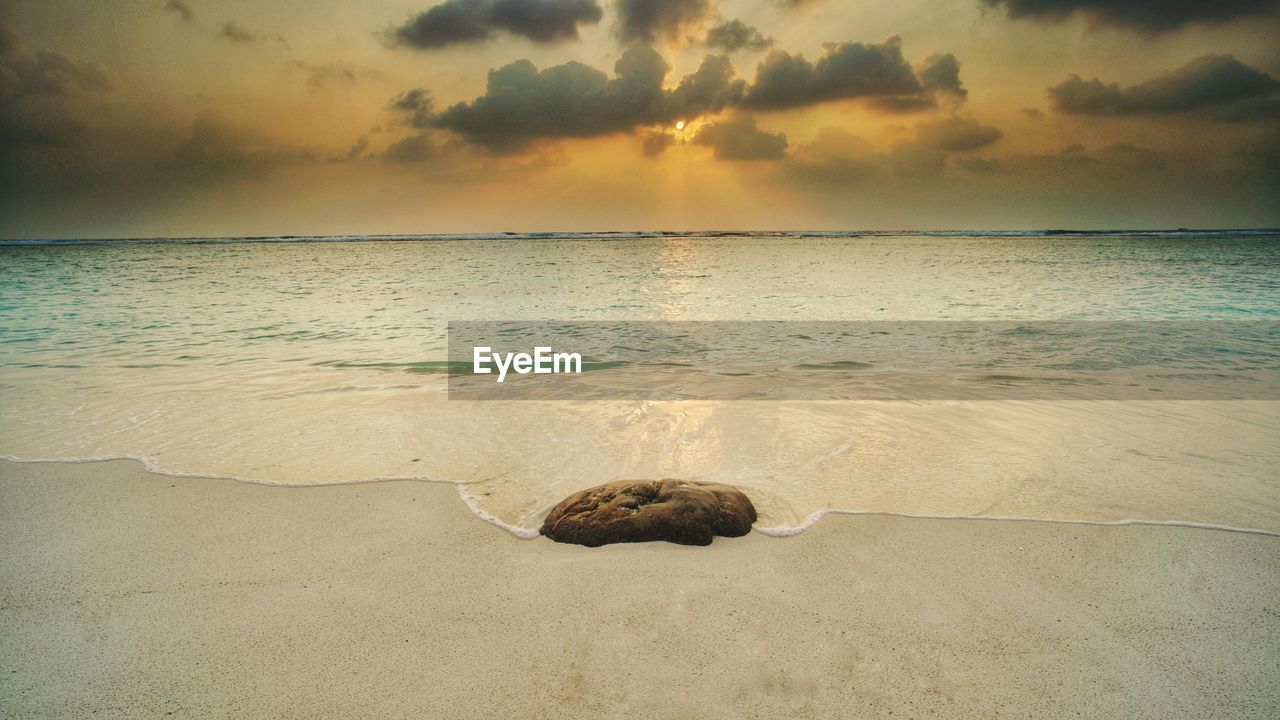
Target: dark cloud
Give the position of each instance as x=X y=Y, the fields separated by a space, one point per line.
x=956 y=134
x=41 y=130
x=48 y=72
x=939 y=78
x=522 y=104
x=941 y=74
x=217 y=149
x=321 y=76
x=356 y=151
x=709 y=89
x=796 y=4
x=738 y=138
x=1217 y=86
x=417 y=105
x=457 y=22
x=736 y=35
x=847 y=70
x=415 y=148
x=181 y=7
x=45 y=72
x=1033 y=113
x=85 y=155
x=235 y=32
x=652 y=20
x=1151 y=16
x=97 y=156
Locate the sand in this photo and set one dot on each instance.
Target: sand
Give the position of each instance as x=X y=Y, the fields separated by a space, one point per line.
x=133 y=595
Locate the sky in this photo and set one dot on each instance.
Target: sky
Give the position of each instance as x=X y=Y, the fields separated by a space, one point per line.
x=202 y=118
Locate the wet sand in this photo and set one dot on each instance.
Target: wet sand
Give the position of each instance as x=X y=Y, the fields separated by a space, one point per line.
x=127 y=594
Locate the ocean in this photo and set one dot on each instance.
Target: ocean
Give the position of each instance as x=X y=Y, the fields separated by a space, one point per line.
x=1085 y=377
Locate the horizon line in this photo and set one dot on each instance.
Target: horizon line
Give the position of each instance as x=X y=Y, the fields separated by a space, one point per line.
x=588 y=234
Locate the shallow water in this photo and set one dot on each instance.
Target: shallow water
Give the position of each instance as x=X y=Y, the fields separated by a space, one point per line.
x=310 y=362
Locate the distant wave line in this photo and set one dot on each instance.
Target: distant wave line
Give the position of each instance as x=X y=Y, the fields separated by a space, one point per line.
x=643 y=234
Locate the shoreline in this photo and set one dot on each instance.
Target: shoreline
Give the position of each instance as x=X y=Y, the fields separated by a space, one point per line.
x=144 y=595
x=149 y=466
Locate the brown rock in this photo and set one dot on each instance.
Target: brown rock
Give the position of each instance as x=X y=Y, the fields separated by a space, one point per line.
x=678 y=511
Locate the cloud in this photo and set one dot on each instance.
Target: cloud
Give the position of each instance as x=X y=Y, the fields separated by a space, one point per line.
x=738 y=138
x=656 y=142
x=941 y=74
x=796 y=4
x=46 y=72
x=83 y=154
x=522 y=104
x=956 y=134
x=835 y=157
x=428 y=142
x=709 y=89
x=216 y=148
x=181 y=7
x=417 y=105
x=235 y=32
x=415 y=148
x=356 y=151
x=916 y=160
x=1151 y=16
x=848 y=70
x=1217 y=86
x=1031 y=112
x=736 y=35
x=652 y=20
x=939 y=77
x=458 y=22
x=1075 y=160
x=44 y=99
x=321 y=76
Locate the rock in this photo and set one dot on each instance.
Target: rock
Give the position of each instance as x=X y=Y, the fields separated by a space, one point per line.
x=678 y=511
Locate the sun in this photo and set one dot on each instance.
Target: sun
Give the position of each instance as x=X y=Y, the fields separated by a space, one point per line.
x=679 y=124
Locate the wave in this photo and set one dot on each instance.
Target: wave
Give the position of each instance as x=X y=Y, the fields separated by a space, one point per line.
x=152 y=466
x=814 y=517
x=641 y=234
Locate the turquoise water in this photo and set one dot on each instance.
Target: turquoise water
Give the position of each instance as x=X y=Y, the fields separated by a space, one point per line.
x=312 y=362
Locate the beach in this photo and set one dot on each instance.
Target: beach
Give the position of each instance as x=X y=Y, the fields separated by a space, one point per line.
x=129 y=594
x=640 y=359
